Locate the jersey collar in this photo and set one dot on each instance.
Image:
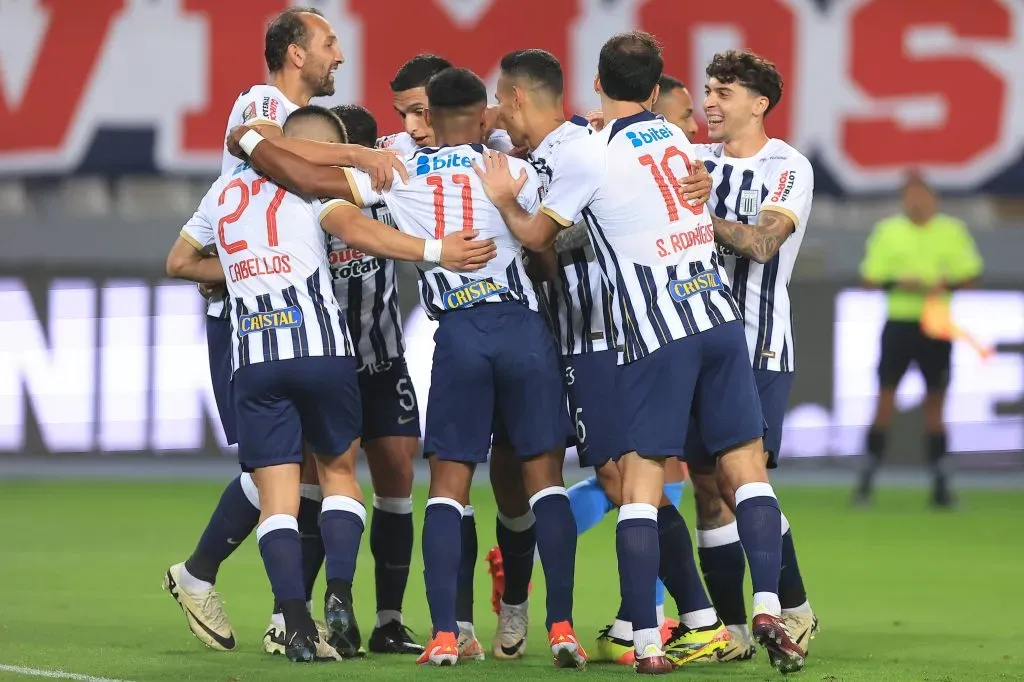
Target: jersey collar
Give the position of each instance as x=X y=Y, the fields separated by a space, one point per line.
x=626 y=121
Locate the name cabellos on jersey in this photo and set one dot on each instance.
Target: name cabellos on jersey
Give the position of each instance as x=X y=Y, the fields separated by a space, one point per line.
x=367 y=290
x=777 y=178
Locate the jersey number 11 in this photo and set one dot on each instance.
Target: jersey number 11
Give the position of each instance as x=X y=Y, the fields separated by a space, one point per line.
x=437 y=182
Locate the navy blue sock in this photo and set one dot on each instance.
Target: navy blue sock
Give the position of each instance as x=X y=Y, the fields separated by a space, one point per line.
x=791 y=584
x=281 y=550
x=556 y=542
x=233 y=519
x=341 y=523
x=724 y=565
x=517 y=539
x=442 y=551
x=759 y=523
x=678 y=569
x=467 y=567
x=391 y=544
x=636 y=546
x=312 y=543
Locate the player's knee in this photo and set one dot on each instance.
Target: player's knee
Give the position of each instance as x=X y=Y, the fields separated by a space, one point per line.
x=713 y=507
x=450 y=479
x=391 y=466
x=741 y=465
x=542 y=471
x=610 y=479
x=642 y=479
x=278 y=490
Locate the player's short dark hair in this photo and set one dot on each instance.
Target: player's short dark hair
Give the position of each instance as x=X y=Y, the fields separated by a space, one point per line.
x=669 y=83
x=539 y=66
x=359 y=123
x=753 y=72
x=418 y=71
x=286 y=29
x=629 y=66
x=314 y=111
x=455 y=89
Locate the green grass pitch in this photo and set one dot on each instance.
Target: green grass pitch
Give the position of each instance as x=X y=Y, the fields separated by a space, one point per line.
x=903 y=593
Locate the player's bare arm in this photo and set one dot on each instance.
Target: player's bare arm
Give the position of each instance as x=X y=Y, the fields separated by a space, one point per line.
x=758 y=242
x=185 y=261
x=459 y=252
x=381 y=166
x=300 y=176
x=543 y=266
x=536 y=232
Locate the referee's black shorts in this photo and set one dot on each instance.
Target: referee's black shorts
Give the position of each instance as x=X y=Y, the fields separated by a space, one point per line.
x=903 y=343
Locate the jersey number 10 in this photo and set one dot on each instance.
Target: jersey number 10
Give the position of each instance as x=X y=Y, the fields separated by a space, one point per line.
x=437 y=182
x=673 y=196
x=243 y=203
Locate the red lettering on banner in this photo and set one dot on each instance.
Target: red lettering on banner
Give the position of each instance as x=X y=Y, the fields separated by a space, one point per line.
x=973 y=95
x=66 y=61
x=480 y=47
x=768 y=28
x=234 y=45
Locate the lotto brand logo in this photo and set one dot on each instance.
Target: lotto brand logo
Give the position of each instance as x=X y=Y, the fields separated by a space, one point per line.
x=425 y=164
x=682 y=289
x=643 y=137
x=468 y=294
x=286 y=318
x=786 y=182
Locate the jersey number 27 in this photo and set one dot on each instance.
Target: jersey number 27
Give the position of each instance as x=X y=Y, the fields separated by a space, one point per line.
x=243 y=203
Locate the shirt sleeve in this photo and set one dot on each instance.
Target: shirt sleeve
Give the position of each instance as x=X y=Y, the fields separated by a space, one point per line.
x=965 y=263
x=875 y=266
x=198 y=231
x=791 y=189
x=500 y=141
x=263 y=107
x=574 y=181
x=362 y=188
x=529 y=195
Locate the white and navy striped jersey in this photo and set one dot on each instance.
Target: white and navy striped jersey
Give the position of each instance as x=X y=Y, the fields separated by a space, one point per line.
x=259 y=105
x=656 y=251
x=443 y=196
x=367 y=291
x=777 y=178
x=406 y=146
x=580 y=300
x=274 y=255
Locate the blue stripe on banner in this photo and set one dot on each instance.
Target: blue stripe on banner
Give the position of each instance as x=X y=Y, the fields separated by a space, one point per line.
x=354 y=311
x=636 y=347
x=766 y=311
x=683 y=307
x=300 y=343
x=586 y=298
x=322 y=315
x=650 y=291
x=268 y=336
x=243 y=342
x=714 y=313
x=377 y=340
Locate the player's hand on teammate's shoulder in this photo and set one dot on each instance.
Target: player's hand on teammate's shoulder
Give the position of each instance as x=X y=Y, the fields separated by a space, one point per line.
x=501 y=188
x=380 y=164
x=697 y=185
x=596 y=119
x=461 y=252
x=233 y=139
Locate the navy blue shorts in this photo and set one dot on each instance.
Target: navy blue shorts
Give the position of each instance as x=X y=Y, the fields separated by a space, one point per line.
x=707 y=375
x=773 y=389
x=218 y=346
x=494 y=359
x=389 y=400
x=595 y=407
x=283 y=402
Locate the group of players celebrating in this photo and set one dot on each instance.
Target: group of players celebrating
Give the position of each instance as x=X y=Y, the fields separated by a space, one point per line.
x=593 y=261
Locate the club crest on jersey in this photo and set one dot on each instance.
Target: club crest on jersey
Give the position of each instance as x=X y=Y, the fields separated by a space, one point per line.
x=249 y=113
x=786 y=182
x=639 y=139
x=286 y=318
x=748 y=202
x=682 y=289
x=470 y=293
x=425 y=164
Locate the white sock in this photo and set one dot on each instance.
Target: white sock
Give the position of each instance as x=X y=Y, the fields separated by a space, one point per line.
x=660 y=610
x=645 y=638
x=309 y=607
x=767 y=602
x=699 y=619
x=466 y=628
x=192 y=583
x=804 y=608
x=621 y=629
x=277 y=619
x=386 y=616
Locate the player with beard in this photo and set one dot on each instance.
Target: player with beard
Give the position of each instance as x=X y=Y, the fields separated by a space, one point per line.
x=302 y=53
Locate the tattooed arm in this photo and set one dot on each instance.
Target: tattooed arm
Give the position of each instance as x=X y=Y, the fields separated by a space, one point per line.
x=758 y=242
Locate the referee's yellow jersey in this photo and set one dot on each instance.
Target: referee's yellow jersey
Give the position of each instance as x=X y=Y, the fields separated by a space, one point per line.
x=939 y=252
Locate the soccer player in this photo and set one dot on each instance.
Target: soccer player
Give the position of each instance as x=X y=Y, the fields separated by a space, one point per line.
x=294 y=363
x=530 y=104
x=760 y=205
x=302 y=54
x=675 y=105
x=684 y=343
x=912 y=256
x=478 y=369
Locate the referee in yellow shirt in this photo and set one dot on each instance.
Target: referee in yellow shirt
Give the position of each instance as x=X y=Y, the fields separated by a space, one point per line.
x=912 y=256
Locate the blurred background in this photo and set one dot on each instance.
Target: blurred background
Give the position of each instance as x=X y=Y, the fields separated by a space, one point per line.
x=112 y=120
